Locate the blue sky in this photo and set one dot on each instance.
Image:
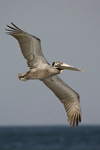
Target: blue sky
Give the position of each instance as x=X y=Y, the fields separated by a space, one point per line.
x=70 y=32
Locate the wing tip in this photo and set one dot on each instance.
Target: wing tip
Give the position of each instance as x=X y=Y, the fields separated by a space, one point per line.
x=13 y=29
x=74 y=119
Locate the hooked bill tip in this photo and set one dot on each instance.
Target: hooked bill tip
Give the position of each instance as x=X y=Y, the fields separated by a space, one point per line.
x=81 y=70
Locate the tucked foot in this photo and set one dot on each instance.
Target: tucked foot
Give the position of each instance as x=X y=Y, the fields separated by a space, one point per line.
x=22 y=76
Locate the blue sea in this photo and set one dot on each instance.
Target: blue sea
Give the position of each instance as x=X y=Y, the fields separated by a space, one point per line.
x=50 y=138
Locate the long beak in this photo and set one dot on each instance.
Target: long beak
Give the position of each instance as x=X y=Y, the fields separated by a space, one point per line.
x=68 y=67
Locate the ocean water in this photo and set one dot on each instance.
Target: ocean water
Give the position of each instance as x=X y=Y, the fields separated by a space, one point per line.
x=50 y=138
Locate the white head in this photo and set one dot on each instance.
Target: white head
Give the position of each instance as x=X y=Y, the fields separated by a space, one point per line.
x=61 y=66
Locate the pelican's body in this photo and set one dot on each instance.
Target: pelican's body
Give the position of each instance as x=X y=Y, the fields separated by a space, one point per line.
x=41 y=73
x=40 y=69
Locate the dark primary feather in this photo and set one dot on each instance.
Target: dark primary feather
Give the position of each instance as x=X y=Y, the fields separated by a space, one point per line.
x=68 y=97
x=30 y=46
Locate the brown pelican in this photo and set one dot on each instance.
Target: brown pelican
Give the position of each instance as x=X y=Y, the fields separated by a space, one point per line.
x=40 y=69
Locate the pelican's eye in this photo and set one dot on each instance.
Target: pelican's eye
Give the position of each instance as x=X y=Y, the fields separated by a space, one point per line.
x=53 y=64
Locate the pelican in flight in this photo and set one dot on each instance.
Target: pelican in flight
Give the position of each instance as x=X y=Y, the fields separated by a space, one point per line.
x=40 y=69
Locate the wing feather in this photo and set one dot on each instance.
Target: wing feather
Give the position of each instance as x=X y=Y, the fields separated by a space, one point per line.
x=68 y=97
x=30 y=46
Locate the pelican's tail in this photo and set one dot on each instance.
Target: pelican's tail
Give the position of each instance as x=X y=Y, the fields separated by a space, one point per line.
x=22 y=76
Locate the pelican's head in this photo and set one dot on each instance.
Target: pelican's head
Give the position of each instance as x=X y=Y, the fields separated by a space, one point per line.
x=61 y=66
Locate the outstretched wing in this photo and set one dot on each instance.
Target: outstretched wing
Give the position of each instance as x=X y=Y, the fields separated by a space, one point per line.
x=30 y=46
x=68 y=97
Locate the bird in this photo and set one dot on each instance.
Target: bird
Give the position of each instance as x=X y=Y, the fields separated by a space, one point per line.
x=40 y=69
